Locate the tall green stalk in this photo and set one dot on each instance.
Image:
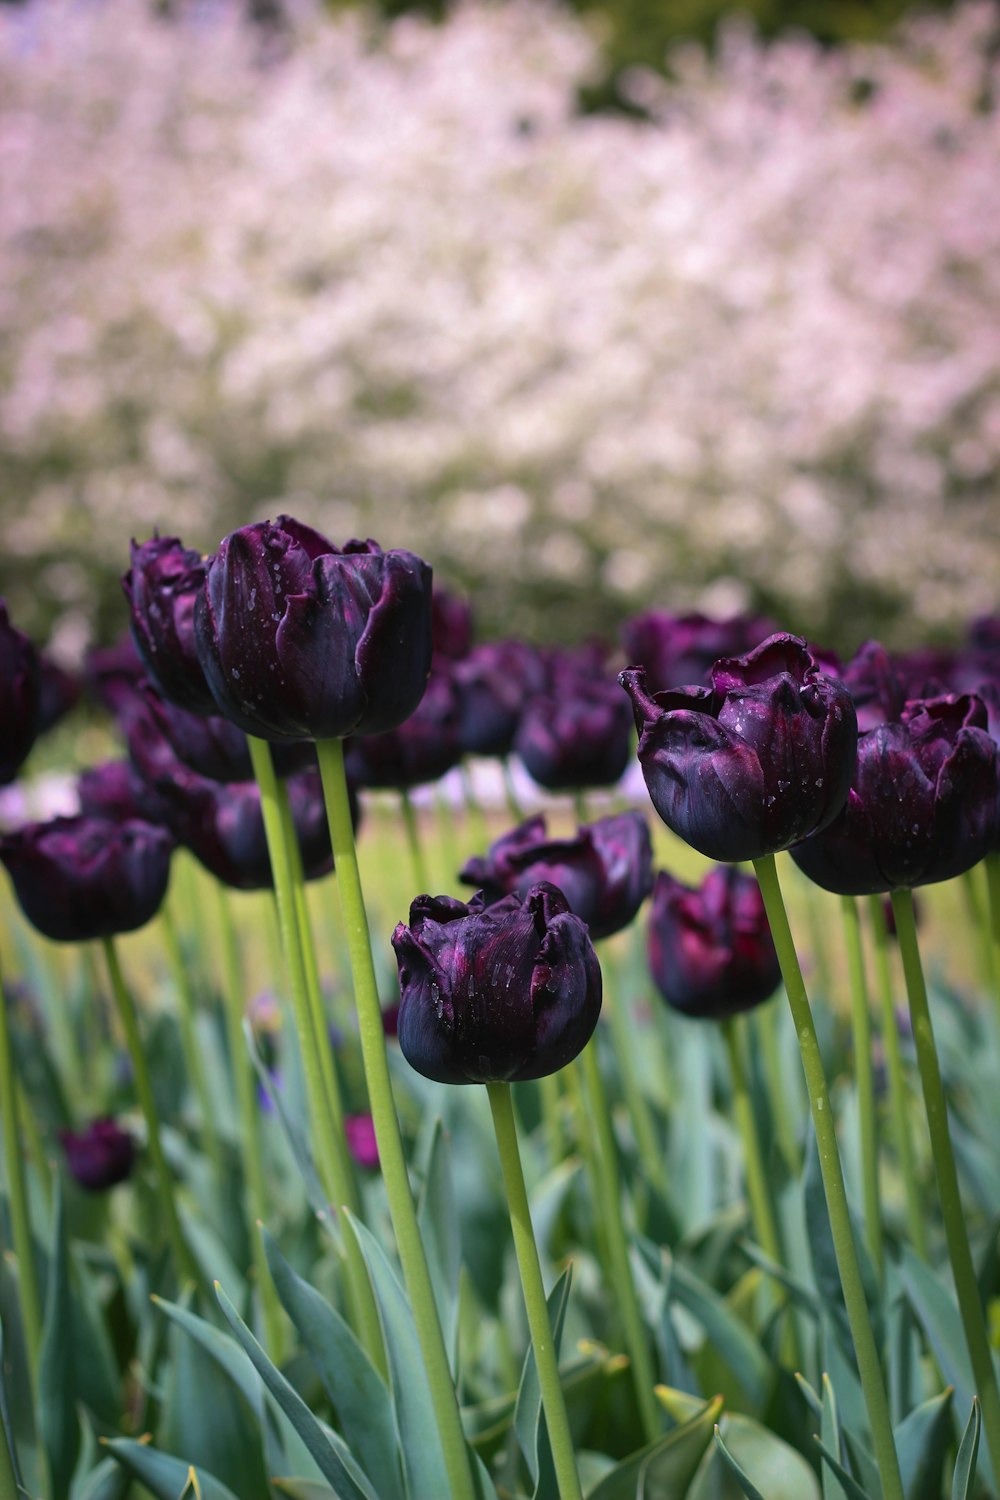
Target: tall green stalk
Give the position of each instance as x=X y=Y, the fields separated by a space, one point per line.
x=992 y=863
x=832 y=1173
x=650 y=1153
x=542 y=1341
x=193 y=1055
x=183 y=1259
x=390 y=1145
x=865 y=1076
x=417 y=860
x=935 y=1104
x=510 y=791
x=27 y=1273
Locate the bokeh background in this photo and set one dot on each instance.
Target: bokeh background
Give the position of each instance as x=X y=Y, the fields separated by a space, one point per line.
x=597 y=309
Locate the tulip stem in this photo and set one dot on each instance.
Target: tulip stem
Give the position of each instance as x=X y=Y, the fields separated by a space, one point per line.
x=832 y=1173
x=966 y=1287
x=193 y=1055
x=474 y=808
x=245 y=1092
x=387 y=1134
x=992 y=863
x=610 y=1209
x=27 y=1272
x=539 y=1324
x=417 y=860
x=898 y=1091
x=864 y=1073
x=510 y=791
x=187 y=1269
x=650 y=1152
x=331 y=1148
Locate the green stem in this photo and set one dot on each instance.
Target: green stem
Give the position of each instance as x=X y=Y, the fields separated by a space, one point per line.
x=244 y=1088
x=861 y=1027
x=992 y=863
x=832 y=1173
x=767 y=1019
x=542 y=1342
x=572 y=1076
x=580 y=808
x=935 y=1104
x=419 y=864
x=31 y=1315
x=510 y=792
x=474 y=808
x=981 y=926
x=193 y=1054
x=898 y=1092
x=622 y=1033
x=329 y=1156
x=9 y=1488
x=609 y=1184
x=183 y=1259
x=390 y=1145
x=549 y=1088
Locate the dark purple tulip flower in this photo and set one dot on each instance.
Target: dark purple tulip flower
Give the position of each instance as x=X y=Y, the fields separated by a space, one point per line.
x=83 y=878
x=575 y=735
x=494 y=681
x=924 y=805
x=451 y=624
x=213 y=746
x=116 y=790
x=495 y=993
x=58 y=693
x=676 y=649
x=605 y=872
x=162 y=587
x=710 y=948
x=876 y=684
x=421 y=749
x=300 y=639
x=99 y=1156
x=223 y=826
x=755 y=763
x=113 y=674
x=19 y=697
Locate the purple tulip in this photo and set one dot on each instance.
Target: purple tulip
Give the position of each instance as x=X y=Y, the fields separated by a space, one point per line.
x=494 y=681
x=924 y=804
x=113 y=674
x=710 y=949
x=421 y=749
x=451 y=625
x=876 y=684
x=605 y=871
x=361 y=1143
x=116 y=790
x=213 y=746
x=83 y=878
x=755 y=763
x=58 y=693
x=162 y=587
x=577 y=734
x=19 y=697
x=99 y=1156
x=676 y=649
x=299 y=639
x=495 y=993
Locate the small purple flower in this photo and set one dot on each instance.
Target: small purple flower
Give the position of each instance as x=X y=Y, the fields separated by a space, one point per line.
x=710 y=949
x=162 y=587
x=361 y=1142
x=753 y=764
x=99 y=1156
x=494 y=993
x=605 y=871
x=19 y=697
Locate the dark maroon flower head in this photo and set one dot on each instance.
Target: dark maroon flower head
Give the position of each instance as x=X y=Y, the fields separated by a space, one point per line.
x=710 y=948
x=494 y=681
x=390 y=1019
x=451 y=625
x=83 y=878
x=162 y=587
x=924 y=805
x=19 y=697
x=99 y=1156
x=605 y=872
x=753 y=764
x=876 y=684
x=213 y=746
x=116 y=790
x=678 y=649
x=58 y=693
x=361 y=1142
x=421 y=749
x=495 y=993
x=300 y=639
x=577 y=734
x=113 y=674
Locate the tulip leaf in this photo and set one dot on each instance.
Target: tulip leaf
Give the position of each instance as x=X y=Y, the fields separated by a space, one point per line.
x=662 y=1470
x=225 y=1351
x=333 y=1459
x=747 y=1453
x=356 y=1390
x=440 y=1230
x=801 y=1295
x=304 y=1489
x=749 y=1489
x=823 y=1255
x=922 y=1440
x=964 y=1479
x=166 y=1477
x=939 y=1317
x=58 y=1421
x=728 y=1335
x=423 y=1460
x=108 y=1480
x=848 y=1484
x=10 y=1473
x=293 y=1130
x=529 y=1416
x=829 y=1430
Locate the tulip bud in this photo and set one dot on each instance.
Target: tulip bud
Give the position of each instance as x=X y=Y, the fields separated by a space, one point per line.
x=162 y=587
x=710 y=949
x=605 y=871
x=100 y=1156
x=495 y=993
x=299 y=639
x=753 y=764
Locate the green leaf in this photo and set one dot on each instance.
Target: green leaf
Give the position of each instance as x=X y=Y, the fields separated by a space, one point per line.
x=165 y=1476
x=304 y=1489
x=968 y=1451
x=423 y=1460
x=849 y=1484
x=664 y=1469
x=749 y=1489
x=934 y=1306
x=356 y=1390
x=108 y=1480
x=529 y=1418
x=58 y=1422
x=334 y=1461
x=922 y=1441
x=765 y=1461
x=829 y=1431
x=225 y=1351
x=441 y=1234
x=728 y=1335
x=823 y=1254
x=10 y=1472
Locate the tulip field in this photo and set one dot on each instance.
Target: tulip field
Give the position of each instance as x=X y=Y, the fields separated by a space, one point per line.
x=441 y=1066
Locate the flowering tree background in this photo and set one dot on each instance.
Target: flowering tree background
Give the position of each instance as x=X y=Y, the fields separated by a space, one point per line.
x=741 y=351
